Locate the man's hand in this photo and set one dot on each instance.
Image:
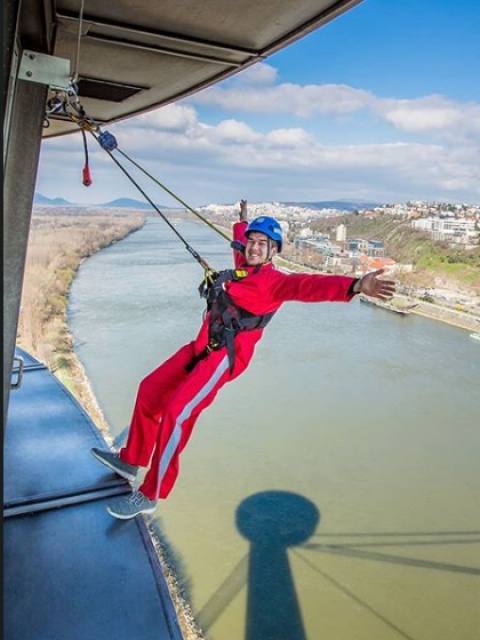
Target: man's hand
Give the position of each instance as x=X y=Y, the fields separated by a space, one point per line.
x=371 y=285
x=243 y=211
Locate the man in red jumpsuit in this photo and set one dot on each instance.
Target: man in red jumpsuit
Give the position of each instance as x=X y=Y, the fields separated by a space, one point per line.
x=172 y=397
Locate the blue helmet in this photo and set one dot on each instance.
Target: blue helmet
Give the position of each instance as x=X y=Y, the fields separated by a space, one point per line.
x=269 y=226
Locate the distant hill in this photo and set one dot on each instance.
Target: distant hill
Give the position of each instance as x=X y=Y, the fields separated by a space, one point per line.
x=341 y=205
x=119 y=203
x=130 y=203
x=54 y=202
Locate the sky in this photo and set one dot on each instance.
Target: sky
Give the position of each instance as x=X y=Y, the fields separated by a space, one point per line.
x=380 y=105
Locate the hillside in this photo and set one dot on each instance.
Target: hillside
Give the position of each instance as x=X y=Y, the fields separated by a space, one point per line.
x=450 y=266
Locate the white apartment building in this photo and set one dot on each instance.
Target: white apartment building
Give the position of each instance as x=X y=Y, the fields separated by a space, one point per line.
x=460 y=230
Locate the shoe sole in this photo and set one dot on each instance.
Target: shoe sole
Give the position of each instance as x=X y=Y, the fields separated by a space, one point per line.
x=121 y=516
x=123 y=474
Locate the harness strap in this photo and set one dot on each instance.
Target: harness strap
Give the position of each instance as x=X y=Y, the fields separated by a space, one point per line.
x=227 y=319
x=222 y=334
x=196 y=359
x=231 y=327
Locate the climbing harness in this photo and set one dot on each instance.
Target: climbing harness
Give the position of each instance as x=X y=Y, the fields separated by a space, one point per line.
x=226 y=319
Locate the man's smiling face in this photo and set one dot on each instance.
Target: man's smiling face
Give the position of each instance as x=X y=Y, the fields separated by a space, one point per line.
x=259 y=249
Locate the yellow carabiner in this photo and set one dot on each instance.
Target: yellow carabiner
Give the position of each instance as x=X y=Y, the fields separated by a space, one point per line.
x=209 y=275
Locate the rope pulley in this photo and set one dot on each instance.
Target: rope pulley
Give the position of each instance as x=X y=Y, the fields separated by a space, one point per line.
x=107 y=141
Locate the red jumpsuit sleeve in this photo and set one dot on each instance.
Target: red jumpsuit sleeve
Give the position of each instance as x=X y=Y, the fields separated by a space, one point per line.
x=268 y=290
x=310 y=287
x=239 y=229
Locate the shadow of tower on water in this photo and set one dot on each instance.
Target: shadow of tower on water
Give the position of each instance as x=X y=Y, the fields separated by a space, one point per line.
x=273 y=521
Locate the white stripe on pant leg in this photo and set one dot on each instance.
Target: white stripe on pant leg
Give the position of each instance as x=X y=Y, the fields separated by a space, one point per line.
x=174 y=439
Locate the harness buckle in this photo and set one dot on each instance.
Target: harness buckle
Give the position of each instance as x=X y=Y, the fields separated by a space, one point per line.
x=211 y=346
x=239 y=274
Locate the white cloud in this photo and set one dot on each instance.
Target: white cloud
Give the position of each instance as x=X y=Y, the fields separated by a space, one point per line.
x=259 y=74
x=430 y=114
x=289 y=138
x=175 y=117
x=234 y=131
x=419 y=115
x=286 y=98
x=423 y=148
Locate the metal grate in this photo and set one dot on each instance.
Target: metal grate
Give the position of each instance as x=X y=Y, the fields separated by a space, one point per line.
x=101 y=90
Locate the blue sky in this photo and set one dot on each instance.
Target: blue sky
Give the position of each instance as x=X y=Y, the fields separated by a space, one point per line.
x=382 y=104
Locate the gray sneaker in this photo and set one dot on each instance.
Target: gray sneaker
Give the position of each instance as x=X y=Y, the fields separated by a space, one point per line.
x=130 y=506
x=112 y=461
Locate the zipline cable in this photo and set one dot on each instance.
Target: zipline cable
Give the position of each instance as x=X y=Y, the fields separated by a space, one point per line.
x=108 y=143
x=177 y=198
x=208 y=270
x=79 y=36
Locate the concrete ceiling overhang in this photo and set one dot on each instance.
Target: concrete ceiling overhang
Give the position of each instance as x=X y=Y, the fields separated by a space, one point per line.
x=131 y=56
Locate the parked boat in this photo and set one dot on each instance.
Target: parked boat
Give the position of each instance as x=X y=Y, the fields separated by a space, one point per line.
x=475 y=336
x=404 y=311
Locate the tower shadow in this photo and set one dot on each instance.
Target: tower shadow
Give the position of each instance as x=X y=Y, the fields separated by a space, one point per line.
x=273 y=521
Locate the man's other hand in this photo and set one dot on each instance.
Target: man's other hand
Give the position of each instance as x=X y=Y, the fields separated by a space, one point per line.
x=371 y=285
x=243 y=211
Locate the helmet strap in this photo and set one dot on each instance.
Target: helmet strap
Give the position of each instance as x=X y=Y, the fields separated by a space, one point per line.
x=270 y=247
x=269 y=251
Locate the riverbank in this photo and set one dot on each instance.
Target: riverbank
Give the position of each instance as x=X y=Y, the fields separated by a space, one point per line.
x=468 y=320
x=454 y=317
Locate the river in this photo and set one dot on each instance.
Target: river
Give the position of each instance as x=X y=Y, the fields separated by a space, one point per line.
x=332 y=491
